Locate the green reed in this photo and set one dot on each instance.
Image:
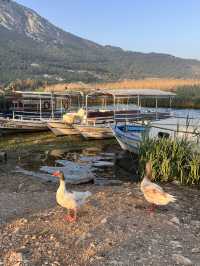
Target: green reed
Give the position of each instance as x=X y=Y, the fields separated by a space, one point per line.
x=171 y=160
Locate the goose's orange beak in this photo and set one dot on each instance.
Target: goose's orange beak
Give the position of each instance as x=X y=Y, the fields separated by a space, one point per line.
x=56 y=173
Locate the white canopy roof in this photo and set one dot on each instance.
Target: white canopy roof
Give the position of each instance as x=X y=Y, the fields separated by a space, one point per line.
x=132 y=92
x=41 y=95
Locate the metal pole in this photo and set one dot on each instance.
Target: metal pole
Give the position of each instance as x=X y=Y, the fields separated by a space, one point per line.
x=114 y=107
x=40 y=108
x=156 y=108
x=138 y=103
x=61 y=109
x=170 y=105
x=78 y=101
x=52 y=112
x=86 y=107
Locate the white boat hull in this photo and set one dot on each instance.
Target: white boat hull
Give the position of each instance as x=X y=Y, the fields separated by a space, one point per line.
x=130 y=140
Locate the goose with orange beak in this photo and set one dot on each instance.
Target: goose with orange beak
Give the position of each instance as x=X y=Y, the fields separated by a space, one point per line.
x=69 y=200
x=153 y=193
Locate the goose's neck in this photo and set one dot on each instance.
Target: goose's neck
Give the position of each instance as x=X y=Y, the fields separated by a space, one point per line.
x=62 y=185
x=146 y=180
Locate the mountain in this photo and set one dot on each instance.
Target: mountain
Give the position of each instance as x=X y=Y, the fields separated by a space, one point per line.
x=33 y=48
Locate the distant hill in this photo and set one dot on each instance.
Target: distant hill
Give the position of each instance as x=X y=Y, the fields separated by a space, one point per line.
x=33 y=48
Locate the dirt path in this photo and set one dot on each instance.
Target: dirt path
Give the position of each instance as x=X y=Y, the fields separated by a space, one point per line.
x=114 y=228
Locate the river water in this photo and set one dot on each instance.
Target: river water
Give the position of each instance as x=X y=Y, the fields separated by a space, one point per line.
x=41 y=152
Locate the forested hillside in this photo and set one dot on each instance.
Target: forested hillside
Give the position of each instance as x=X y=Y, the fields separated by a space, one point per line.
x=33 y=48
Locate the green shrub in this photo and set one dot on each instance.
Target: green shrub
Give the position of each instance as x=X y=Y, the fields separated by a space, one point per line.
x=171 y=160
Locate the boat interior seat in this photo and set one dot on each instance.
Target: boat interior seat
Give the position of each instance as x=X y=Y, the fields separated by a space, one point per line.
x=100 y=120
x=96 y=114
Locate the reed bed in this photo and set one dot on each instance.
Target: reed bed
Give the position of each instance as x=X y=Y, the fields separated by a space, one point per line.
x=151 y=83
x=159 y=84
x=171 y=160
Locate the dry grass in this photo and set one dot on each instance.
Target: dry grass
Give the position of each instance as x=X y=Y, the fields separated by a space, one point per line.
x=163 y=84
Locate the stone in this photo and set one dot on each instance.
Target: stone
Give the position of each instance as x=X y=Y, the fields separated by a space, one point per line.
x=181 y=260
x=103 y=221
x=195 y=223
x=16 y=230
x=20 y=186
x=115 y=262
x=56 y=263
x=175 y=220
x=57 y=245
x=175 y=244
x=14 y=259
x=195 y=250
x=23 y=220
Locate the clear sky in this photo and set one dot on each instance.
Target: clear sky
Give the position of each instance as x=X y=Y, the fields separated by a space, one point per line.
x=166 y=26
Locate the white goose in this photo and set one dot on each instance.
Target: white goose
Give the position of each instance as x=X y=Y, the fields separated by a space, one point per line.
x=152 y=192
x=69 y=200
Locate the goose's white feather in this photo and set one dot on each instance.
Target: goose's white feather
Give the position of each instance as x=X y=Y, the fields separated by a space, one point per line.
x=153 y=193
x=70 y=200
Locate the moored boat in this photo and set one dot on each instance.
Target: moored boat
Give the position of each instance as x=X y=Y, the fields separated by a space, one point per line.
x=130 y=136
x=99 y=131
x=31 y=111
x=95 y=125
x=59 y=128
x=8 y=126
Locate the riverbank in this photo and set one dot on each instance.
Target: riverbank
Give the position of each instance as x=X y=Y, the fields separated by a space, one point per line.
x=113 y=228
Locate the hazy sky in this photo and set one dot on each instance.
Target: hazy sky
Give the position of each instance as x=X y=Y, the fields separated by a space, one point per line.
x=167 y=26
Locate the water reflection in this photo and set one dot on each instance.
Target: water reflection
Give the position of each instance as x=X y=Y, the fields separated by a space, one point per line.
x=98 y=159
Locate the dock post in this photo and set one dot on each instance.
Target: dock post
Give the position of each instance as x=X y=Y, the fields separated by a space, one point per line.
x=52 y=111
x=156 y=108
x=61 y=108
x=86 y=108
x=114 y=109
x=40 y=108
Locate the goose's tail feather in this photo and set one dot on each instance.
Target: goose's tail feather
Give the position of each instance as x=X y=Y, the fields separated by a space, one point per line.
x=170 y=197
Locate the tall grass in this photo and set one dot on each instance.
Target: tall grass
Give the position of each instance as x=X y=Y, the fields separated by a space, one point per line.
x=188 y=97
x=187 y=90
x=171 y=160
x=151 y=83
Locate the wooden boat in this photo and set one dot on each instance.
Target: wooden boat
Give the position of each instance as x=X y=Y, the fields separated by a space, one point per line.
x=64 y=126
x=95 y=125
x=31 y=111
x=95 y=131
x=72 y=123
x=18 y=126
x=59 y=128
x=130 y=136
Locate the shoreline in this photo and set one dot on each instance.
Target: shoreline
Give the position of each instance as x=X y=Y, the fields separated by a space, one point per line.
x=113 y=228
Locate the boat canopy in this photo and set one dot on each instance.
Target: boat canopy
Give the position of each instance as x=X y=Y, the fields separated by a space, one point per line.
x=47 y=95
x=132 y=93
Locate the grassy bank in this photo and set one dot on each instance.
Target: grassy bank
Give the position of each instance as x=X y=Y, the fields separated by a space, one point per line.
x=188 y=97
x=151 y=83
x=171 y=160
x=187 y=90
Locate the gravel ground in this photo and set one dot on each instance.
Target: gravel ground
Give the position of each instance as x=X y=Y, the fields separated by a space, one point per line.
x=113 y=228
